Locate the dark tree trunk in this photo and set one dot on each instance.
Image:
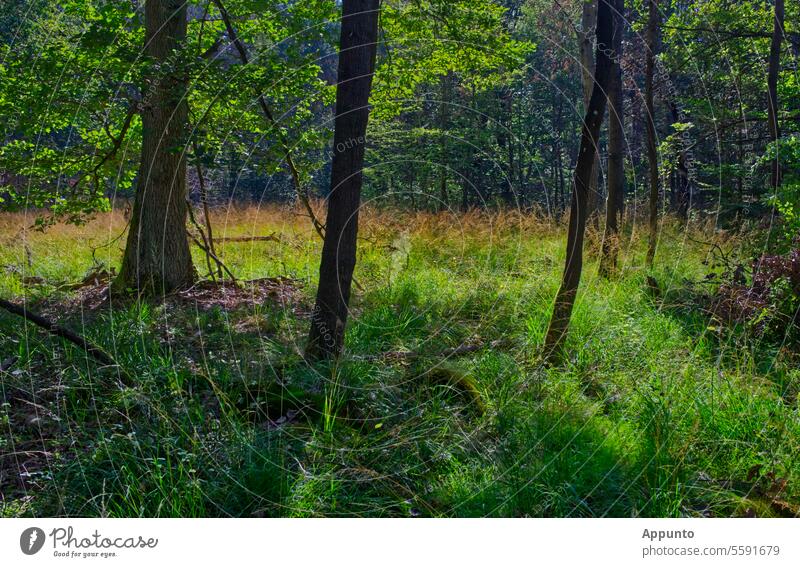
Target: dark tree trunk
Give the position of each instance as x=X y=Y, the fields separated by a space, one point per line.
x=772 y=87
x=558 y=151
x=464 y=193
x=683 y=189
x=157 y=257
x=357 y=49
x=444 y=105
x=561 y=192
x=587 y=39
x=650 y=121
x=616 y=150
x=508 y=187
x=590 y=132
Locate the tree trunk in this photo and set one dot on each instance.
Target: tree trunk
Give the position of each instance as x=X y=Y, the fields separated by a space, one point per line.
x=772 y=87
x=558 y=151
x=357 y=49
x=650 y=121
x=590 y=132
x=561 y=190
x=157 y=257
x=509 y=196
x=616 y=150
x=444 y=105
x=587 y=39
x=683 y=189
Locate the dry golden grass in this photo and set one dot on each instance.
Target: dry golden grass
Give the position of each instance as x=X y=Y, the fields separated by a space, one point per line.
x=65 y=253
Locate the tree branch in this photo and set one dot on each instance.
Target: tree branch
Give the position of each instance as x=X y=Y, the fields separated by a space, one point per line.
x=262 y=103
x=54 y=329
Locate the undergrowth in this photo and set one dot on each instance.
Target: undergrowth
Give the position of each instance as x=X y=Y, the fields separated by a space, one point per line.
x=440 y=406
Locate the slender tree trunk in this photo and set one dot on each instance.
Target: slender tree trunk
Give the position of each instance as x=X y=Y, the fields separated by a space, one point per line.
x=772 y=87
x=157 y=257
x=444 y=105
x=443 y=201
x=561 y=184
x=650 y=121
x=616 y=150
x=683 y=188
x=358 y=45
x=554 y=178
x=587 y=40
x=590 y=132
x=509 y=185
x=561 y=192
x=558 y=173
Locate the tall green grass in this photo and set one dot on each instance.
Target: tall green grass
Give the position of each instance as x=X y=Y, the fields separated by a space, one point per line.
x=654 y=411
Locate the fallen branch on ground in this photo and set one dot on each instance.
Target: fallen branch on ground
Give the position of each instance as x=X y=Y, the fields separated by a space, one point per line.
x=446 y=353
x=269 y=238
x=54 y=329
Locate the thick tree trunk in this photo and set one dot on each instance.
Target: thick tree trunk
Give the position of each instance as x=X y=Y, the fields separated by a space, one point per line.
x=157 y=257
x=772 y=87
x=650 y=121
x=565 y=298
x=358 y=44
x=616 y=150
x=587 y=40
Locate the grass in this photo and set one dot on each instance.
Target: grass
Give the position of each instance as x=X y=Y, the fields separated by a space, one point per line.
x=656 y=410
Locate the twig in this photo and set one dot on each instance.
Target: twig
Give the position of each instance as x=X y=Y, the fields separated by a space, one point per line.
x=211 y=255
x=262 y=102
x=208 y=235
x=208 y=249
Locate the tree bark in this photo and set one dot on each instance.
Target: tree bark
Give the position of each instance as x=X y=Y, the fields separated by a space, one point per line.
x=650 y=121
x=772 y=88
x=616 y=150
x=587 y=40
x=357 y=51
x=157 y=257
x=590 y=132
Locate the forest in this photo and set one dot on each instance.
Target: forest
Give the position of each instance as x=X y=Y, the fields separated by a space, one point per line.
x=399 y=258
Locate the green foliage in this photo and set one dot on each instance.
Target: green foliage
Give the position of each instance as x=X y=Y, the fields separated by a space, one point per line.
x=429 y=39
x=787 y=199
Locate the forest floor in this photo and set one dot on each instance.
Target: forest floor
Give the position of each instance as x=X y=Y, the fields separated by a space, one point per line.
x=441 y=406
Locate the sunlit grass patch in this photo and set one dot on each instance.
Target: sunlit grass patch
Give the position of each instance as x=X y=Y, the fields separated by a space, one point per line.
x=440 y=406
